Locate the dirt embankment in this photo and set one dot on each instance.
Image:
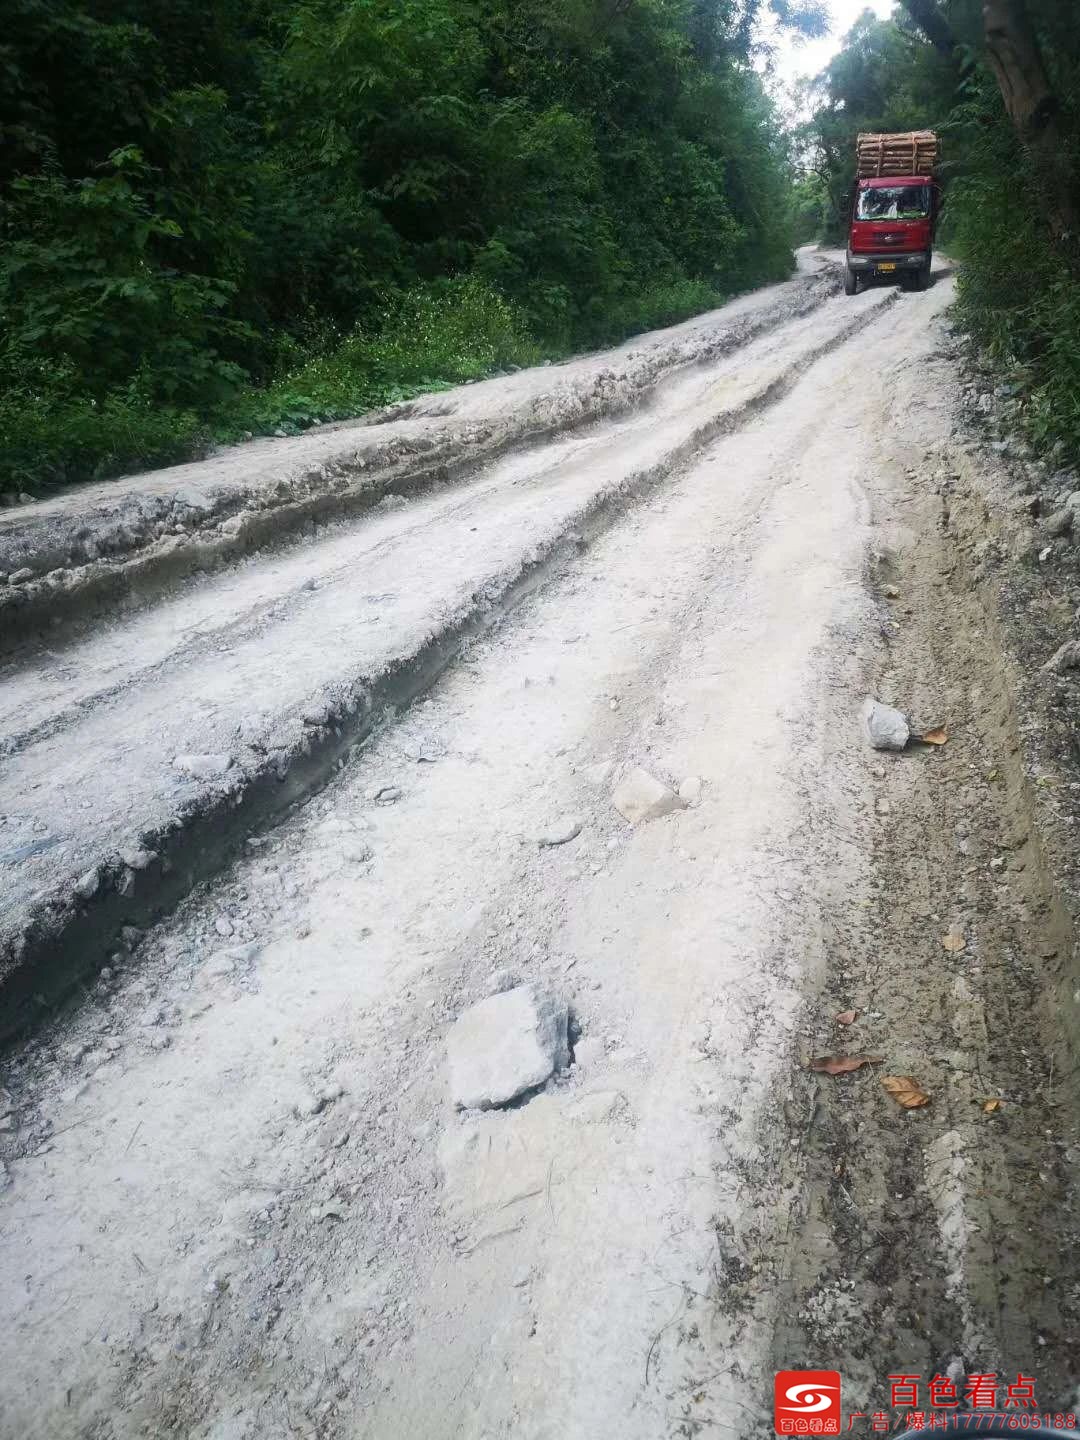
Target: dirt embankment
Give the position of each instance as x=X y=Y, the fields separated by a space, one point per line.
x=946 y=1238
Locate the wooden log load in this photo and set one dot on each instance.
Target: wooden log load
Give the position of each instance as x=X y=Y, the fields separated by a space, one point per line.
x=914 y=152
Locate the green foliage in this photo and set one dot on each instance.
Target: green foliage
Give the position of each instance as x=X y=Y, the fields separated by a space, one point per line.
x=80 y=292
x=51 y=433
x=218 y=218
x=443 y=332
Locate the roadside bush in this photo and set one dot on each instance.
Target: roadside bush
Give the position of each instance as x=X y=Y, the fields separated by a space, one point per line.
x=1018 y=295
x=83 y=291
x=49 y=438
x=434 y=335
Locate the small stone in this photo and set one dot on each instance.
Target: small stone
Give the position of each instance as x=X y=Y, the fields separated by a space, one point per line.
x=886 y=728
x=505 y=1046
x=588 y=1051
x=388 y=795
x=137 y=859
x=564 y=830
x=1058 y=524
x=882 y=806
x=18 y=576
x=224 y=926
x=309 y=1104
x=160 y=1042
x=639 y=796
x=1065 y=657
x=87 y=885
x=690 y=789
x=997 y=863
x=203 y=767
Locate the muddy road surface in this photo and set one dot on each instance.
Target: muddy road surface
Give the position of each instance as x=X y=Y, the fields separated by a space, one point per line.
x=370 y=1073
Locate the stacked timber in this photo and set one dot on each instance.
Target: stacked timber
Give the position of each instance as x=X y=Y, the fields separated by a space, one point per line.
x=914 y=152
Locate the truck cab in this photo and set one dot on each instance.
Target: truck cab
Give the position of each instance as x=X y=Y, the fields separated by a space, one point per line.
x=891 y=230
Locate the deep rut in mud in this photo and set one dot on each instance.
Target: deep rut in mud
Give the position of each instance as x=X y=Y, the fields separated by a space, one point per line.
x=242 y=1204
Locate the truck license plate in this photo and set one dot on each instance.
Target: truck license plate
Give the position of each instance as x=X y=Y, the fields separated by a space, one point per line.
x=887 y=266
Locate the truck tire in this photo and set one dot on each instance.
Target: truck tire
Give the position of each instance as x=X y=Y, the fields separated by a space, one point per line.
x=851 y=281
x=922 y=279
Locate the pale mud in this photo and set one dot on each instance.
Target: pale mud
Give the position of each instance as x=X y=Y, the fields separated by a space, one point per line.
x=187 y=1249
x=280 y=664
x=117 y=544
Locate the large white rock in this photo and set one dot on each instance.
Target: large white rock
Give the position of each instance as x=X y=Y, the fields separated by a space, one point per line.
x=505 y=1045
x=886 y=728
x=640 y=796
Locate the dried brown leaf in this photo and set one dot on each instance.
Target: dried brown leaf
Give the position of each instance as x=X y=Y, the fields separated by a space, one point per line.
x=954 y=938
x=847 y=1017
x=938 y=735
x=841 y=1064
x=906 y=1091
x=991 y=1106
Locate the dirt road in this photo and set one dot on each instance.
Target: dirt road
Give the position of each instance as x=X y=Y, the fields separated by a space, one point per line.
x=241 y=1202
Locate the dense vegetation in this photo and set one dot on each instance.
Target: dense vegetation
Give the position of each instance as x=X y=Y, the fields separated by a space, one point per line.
x=1013 y=201
x=249 y=215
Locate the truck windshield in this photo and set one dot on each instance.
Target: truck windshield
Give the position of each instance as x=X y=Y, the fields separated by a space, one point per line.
x=894 y=202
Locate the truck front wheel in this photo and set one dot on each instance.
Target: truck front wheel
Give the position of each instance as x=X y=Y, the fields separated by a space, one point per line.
x=851 y=281
x=922 y=278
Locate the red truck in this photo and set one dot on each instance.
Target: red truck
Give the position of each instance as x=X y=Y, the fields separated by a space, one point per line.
x=894 y=210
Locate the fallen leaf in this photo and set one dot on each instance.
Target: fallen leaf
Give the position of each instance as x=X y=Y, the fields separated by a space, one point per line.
x=990 y=1106
x=847 y=1017
x=906 y=1091
x=841 y=1064
x=954 y=938
x=939 y=735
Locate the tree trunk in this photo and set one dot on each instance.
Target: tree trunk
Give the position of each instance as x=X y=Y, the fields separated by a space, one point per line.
x=1013 y=52
x=933 y=24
